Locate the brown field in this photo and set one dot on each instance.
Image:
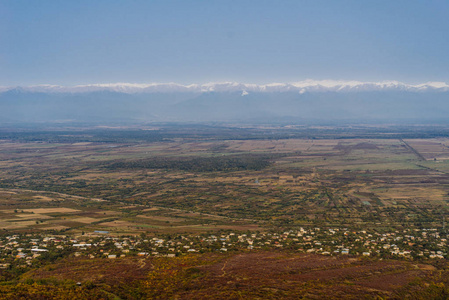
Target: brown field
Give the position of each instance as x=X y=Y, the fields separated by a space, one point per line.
x=431 y=148
x=33 y=216
x=43 y=198
x=51 y=210
x=84 y=220
x=267 y=275
x=307 y=181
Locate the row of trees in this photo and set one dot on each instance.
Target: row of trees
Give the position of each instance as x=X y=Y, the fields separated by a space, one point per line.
x=198 y=164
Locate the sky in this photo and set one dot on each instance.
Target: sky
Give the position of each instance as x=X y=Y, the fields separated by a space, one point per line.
x=85 y=42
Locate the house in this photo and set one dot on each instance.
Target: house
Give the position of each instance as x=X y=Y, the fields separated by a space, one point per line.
x=39 y=250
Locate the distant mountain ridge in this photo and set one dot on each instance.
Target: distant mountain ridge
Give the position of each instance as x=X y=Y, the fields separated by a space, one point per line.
x=300 y=86
x=301 y=103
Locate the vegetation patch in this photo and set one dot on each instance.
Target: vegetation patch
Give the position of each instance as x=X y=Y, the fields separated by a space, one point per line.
x=199 y=164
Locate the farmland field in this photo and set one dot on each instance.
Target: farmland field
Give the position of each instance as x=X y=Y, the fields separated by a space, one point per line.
x=193 y=186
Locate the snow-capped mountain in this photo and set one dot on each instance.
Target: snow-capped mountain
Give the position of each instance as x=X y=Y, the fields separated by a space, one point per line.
x=325 y=101
x=300 y=86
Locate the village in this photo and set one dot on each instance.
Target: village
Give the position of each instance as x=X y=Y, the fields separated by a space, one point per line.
x=30 y=249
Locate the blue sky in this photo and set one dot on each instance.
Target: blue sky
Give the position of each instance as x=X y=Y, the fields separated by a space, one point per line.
x=82 y=42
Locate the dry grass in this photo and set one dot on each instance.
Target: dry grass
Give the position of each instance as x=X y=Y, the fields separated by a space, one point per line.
x=51 y=210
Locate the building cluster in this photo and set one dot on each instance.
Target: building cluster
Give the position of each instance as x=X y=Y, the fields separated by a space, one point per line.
x=410 y=243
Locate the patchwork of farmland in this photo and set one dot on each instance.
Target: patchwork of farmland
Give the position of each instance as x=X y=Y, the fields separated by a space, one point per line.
x=187 y=217
x=197 y=185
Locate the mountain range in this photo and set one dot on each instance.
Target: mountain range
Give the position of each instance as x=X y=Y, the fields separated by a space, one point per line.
x=304 y=102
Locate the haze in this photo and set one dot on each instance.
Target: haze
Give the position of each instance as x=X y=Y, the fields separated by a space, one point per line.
x=84 y=42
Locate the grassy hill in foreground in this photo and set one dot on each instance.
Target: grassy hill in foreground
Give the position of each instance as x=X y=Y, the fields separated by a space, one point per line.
x=247 y=275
